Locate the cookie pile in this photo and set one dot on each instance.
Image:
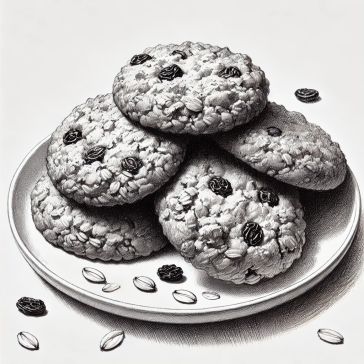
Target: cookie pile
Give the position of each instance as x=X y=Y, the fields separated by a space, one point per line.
x=189 y=129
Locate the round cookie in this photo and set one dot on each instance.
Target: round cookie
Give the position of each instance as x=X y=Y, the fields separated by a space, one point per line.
x=97 y=157
x=284 y=145
x=192 y=88
x=109 y=233
x=225 y=219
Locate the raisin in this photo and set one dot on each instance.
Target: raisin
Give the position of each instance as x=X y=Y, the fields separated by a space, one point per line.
x=72 y=136
x=131 y=164
x=252 y=233
x=228 y=72
x=170 y=72
x=266 y=195
x=139 y=59
x=307 y=95
x=31 y=306
x=220 y=186
x=181 y=53
x=170 y=273
x=95 y=154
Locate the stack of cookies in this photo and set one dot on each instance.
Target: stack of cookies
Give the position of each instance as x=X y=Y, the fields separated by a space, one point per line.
x=187 y=138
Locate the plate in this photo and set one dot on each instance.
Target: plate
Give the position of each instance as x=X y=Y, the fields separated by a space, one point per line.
x=332 y=219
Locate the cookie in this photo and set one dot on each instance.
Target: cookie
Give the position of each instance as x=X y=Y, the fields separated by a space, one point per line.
x=108 y=233
x=191 y=88
x=284 y=145
x=97 y=157
x=226 y=219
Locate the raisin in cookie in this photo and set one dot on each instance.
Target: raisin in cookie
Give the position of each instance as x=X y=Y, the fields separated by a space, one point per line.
x=97 y=157
x=192 y=88
x=109 y=233
x=286 y=146
x=226 y=219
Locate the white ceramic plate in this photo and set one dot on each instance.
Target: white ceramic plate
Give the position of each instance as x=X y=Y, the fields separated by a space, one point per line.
x=332 y=219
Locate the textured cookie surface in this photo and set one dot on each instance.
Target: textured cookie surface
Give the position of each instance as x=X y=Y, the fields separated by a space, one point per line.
x=108 y=233
x=230 y=222
x=286 y=146
x=191 y=88
x=97 y=157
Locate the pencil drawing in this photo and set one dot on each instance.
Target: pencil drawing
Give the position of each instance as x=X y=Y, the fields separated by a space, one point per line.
x=186 y=196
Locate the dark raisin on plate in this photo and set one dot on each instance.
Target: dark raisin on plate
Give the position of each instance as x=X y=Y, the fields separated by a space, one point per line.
x=252 y=233
x=72 y=136
x=139 y=59
x=266 y=195
x=307 y=95
x=170 y=273
x=220 y=186
x=228 y=72
x=170 y=72
x=31 y=306
x=181 y=53
x=131 y=164
x=95 y=154
x=274 y=131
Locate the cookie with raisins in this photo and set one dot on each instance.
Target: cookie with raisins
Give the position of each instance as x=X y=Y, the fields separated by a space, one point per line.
x=190 y=88
x=98 y=157
x=284 y=145
x=234 y=223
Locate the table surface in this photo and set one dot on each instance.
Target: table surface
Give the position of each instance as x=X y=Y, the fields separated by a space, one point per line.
x=56 y=54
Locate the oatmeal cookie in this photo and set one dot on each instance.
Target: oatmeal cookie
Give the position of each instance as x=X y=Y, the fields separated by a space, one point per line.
x=192 y=88
x=97 y=157
x=226 y=219
x=108 y=233
x=284 y=145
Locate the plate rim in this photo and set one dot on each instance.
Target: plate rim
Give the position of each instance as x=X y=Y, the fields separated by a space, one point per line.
x=198 y=315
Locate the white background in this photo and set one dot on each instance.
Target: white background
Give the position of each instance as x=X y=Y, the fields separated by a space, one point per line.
x=55 y=54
